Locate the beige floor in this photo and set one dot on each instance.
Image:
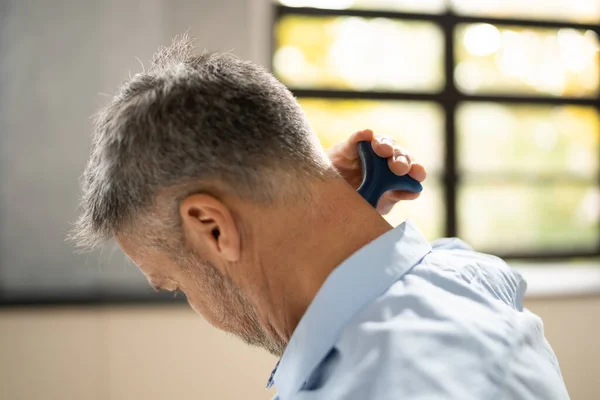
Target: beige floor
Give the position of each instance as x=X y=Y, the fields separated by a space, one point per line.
x=160 y=352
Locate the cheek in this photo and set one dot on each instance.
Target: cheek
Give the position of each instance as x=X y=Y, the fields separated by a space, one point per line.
x=208 y=294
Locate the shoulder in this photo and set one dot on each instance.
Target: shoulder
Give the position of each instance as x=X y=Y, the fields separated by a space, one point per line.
x=452 y=327
x=448 y=328
x=443 y=345
x=452 y=260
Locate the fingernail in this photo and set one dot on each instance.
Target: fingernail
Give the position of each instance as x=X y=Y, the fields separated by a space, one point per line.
x=402 y=158
x=384 y=140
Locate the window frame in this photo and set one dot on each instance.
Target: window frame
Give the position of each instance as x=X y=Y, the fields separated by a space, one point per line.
x=449 y=98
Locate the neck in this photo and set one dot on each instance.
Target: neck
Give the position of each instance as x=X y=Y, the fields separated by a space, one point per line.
x=309 y=243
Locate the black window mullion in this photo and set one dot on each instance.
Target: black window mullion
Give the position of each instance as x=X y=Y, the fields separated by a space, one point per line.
x=541 y=255
x=365 y=95
x=440 y=96
x=450 y=101
x=534 y=100
x=282 y=10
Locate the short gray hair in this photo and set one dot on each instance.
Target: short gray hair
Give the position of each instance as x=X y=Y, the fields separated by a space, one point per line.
x=188 y=120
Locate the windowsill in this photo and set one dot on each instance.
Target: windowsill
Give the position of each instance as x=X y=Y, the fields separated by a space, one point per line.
x=560 y=279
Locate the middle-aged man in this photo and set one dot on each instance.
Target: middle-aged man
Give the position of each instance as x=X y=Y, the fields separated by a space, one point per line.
x=207 y=173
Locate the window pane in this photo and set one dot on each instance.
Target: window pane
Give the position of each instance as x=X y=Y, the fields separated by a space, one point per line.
x=358 y=53
x=527 y=139
x=424 y=6
x=556 y=62
x=416 y=126
x=565 y=10
x=427 y=211
x=529 y=218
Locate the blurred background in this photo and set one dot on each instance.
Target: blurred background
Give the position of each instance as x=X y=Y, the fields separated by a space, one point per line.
x=498 y=98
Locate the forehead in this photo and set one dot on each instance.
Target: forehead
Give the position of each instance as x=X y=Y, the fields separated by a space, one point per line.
x=154 y=264
x=130 y=249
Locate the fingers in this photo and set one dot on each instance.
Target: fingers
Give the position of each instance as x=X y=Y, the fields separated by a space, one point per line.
x=349 y=148
x=397 y=195
x=404 y=165
x=365 y=134
x=418 y=172
x=399 y=160
x=383 y=146
x=391 y=198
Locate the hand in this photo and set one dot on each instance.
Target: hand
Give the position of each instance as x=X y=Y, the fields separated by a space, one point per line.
x=344 y=157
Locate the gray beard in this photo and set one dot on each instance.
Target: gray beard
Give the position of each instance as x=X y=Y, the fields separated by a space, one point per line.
x=233 y=307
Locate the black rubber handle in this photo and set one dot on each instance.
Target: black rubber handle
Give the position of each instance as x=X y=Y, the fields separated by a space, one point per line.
x=377 y=177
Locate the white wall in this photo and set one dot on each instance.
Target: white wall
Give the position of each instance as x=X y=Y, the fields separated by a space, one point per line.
x=59 y=62
x=152 y=353
x=124 y=353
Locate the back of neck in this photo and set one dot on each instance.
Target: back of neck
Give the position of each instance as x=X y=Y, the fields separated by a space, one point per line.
x=313 y=243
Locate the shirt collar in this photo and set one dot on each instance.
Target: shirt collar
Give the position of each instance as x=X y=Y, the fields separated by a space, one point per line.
x=356 y=282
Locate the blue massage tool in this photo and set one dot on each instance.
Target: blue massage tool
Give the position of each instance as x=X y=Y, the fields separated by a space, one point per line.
x=377 y=177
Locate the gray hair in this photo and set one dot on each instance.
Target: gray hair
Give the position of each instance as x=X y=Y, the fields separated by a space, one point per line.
x=186 y=121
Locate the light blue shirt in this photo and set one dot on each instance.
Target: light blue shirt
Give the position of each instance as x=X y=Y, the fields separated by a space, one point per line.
x=403 y=319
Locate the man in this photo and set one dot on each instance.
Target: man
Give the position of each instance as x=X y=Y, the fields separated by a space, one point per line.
x=207 y=173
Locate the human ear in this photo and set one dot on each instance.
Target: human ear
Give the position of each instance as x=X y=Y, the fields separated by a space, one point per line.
x=209 y=225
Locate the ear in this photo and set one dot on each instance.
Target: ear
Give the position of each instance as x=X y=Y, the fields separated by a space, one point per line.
x=210 y=226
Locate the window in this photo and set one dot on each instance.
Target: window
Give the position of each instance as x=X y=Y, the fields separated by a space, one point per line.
x=348 y=53
x=499 y=99
x=502 y=59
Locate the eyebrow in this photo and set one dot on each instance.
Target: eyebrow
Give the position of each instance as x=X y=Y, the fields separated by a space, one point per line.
x=157 y=286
